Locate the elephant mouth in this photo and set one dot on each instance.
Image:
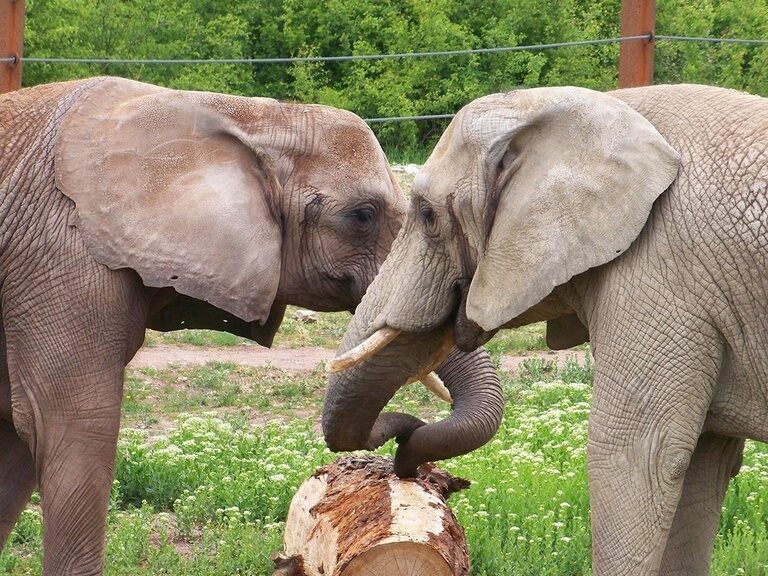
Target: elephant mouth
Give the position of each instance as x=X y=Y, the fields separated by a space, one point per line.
x=353 y=416
x=380 y=340
x=329 y=294
x=349 y=290
x=466 y=335
x=367 y=348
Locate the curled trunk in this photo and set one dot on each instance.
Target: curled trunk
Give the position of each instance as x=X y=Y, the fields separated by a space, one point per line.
x=478 y=406
x=352 y=417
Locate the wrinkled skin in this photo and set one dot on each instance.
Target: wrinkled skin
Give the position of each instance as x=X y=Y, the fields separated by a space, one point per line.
x=647 y=237
x=290 y=204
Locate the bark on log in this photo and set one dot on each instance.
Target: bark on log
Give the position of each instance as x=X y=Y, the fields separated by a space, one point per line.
x=354 y=517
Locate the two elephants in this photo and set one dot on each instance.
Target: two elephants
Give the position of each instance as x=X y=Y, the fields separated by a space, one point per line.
x=635 y=219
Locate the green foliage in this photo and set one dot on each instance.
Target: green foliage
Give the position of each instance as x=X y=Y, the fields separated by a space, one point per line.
x=150 y=393
x=730 y=65
x=327 y=332
x=741 y=544
x=528 y=504
x=194 y=338
x=140 y=29
x=206 y=468
x=197 y=29
x=518 y=341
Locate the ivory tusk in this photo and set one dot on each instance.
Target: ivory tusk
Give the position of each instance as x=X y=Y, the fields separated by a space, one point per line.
x=434 y=384
x=364 y=350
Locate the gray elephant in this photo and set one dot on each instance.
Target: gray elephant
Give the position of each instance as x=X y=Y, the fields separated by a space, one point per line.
x=636 y=219
x=124 y=205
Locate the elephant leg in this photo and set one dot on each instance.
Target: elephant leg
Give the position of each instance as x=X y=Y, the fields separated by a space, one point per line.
x=75 y=468
x=66 y=358
x=715 y=461
x=17 y=478
x=17 y=471
x=648 y=411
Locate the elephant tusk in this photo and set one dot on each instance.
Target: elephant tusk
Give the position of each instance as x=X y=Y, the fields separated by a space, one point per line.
x=434 y=384
x=364 y=350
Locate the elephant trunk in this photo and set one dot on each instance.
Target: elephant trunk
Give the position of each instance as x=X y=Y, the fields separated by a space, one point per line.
x=478 y=406
x=352 y=417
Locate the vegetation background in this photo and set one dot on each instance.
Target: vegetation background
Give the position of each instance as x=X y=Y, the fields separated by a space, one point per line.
x=202 y=29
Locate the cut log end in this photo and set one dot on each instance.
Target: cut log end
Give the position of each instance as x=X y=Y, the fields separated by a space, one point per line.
x=399 y=558
x=356 y=517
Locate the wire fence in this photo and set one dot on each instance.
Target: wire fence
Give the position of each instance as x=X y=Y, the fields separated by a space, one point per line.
x=350 y=58
x=745 y=41
x=404 y=55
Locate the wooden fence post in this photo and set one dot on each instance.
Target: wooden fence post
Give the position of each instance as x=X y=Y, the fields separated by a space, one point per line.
x=11 y=43
x=638 y=17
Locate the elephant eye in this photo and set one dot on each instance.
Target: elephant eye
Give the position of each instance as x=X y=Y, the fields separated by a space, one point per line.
x=427 y=214
x=363 y=217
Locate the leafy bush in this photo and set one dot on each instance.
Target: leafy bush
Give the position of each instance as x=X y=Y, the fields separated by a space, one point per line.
x=398 y=87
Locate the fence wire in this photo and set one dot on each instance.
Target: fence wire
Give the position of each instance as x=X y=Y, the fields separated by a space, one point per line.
x=745 y=41
x=349 y=58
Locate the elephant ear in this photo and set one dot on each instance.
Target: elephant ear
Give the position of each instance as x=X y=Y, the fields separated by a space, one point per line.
x=170 y=184
x=571 y=177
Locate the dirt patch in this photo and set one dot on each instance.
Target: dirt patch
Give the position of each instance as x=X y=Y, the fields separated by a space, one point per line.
x=297 y=359
x=289 y=359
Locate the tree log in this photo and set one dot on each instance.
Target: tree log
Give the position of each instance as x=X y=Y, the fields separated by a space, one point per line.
x=355 y=517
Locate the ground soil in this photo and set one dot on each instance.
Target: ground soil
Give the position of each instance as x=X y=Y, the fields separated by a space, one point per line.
x=292 y=359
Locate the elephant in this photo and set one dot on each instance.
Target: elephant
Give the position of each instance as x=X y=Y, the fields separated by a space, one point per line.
x=125 y=205
x=635 y=219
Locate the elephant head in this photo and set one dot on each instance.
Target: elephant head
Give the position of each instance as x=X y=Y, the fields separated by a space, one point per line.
x=232 y=206
x=122 y=203
x=524 y=191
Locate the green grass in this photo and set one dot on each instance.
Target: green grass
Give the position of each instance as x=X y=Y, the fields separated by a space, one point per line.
x=205 y=490
x=209 y=338
x=518 y=341
x=327 y=332
x=242 y=392
x=522 y=341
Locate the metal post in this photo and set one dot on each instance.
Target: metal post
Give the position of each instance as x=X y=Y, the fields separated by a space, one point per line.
x=638 y=17
x=11 y=43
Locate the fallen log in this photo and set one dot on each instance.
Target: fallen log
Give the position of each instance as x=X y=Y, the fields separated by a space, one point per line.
x=355 y=517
